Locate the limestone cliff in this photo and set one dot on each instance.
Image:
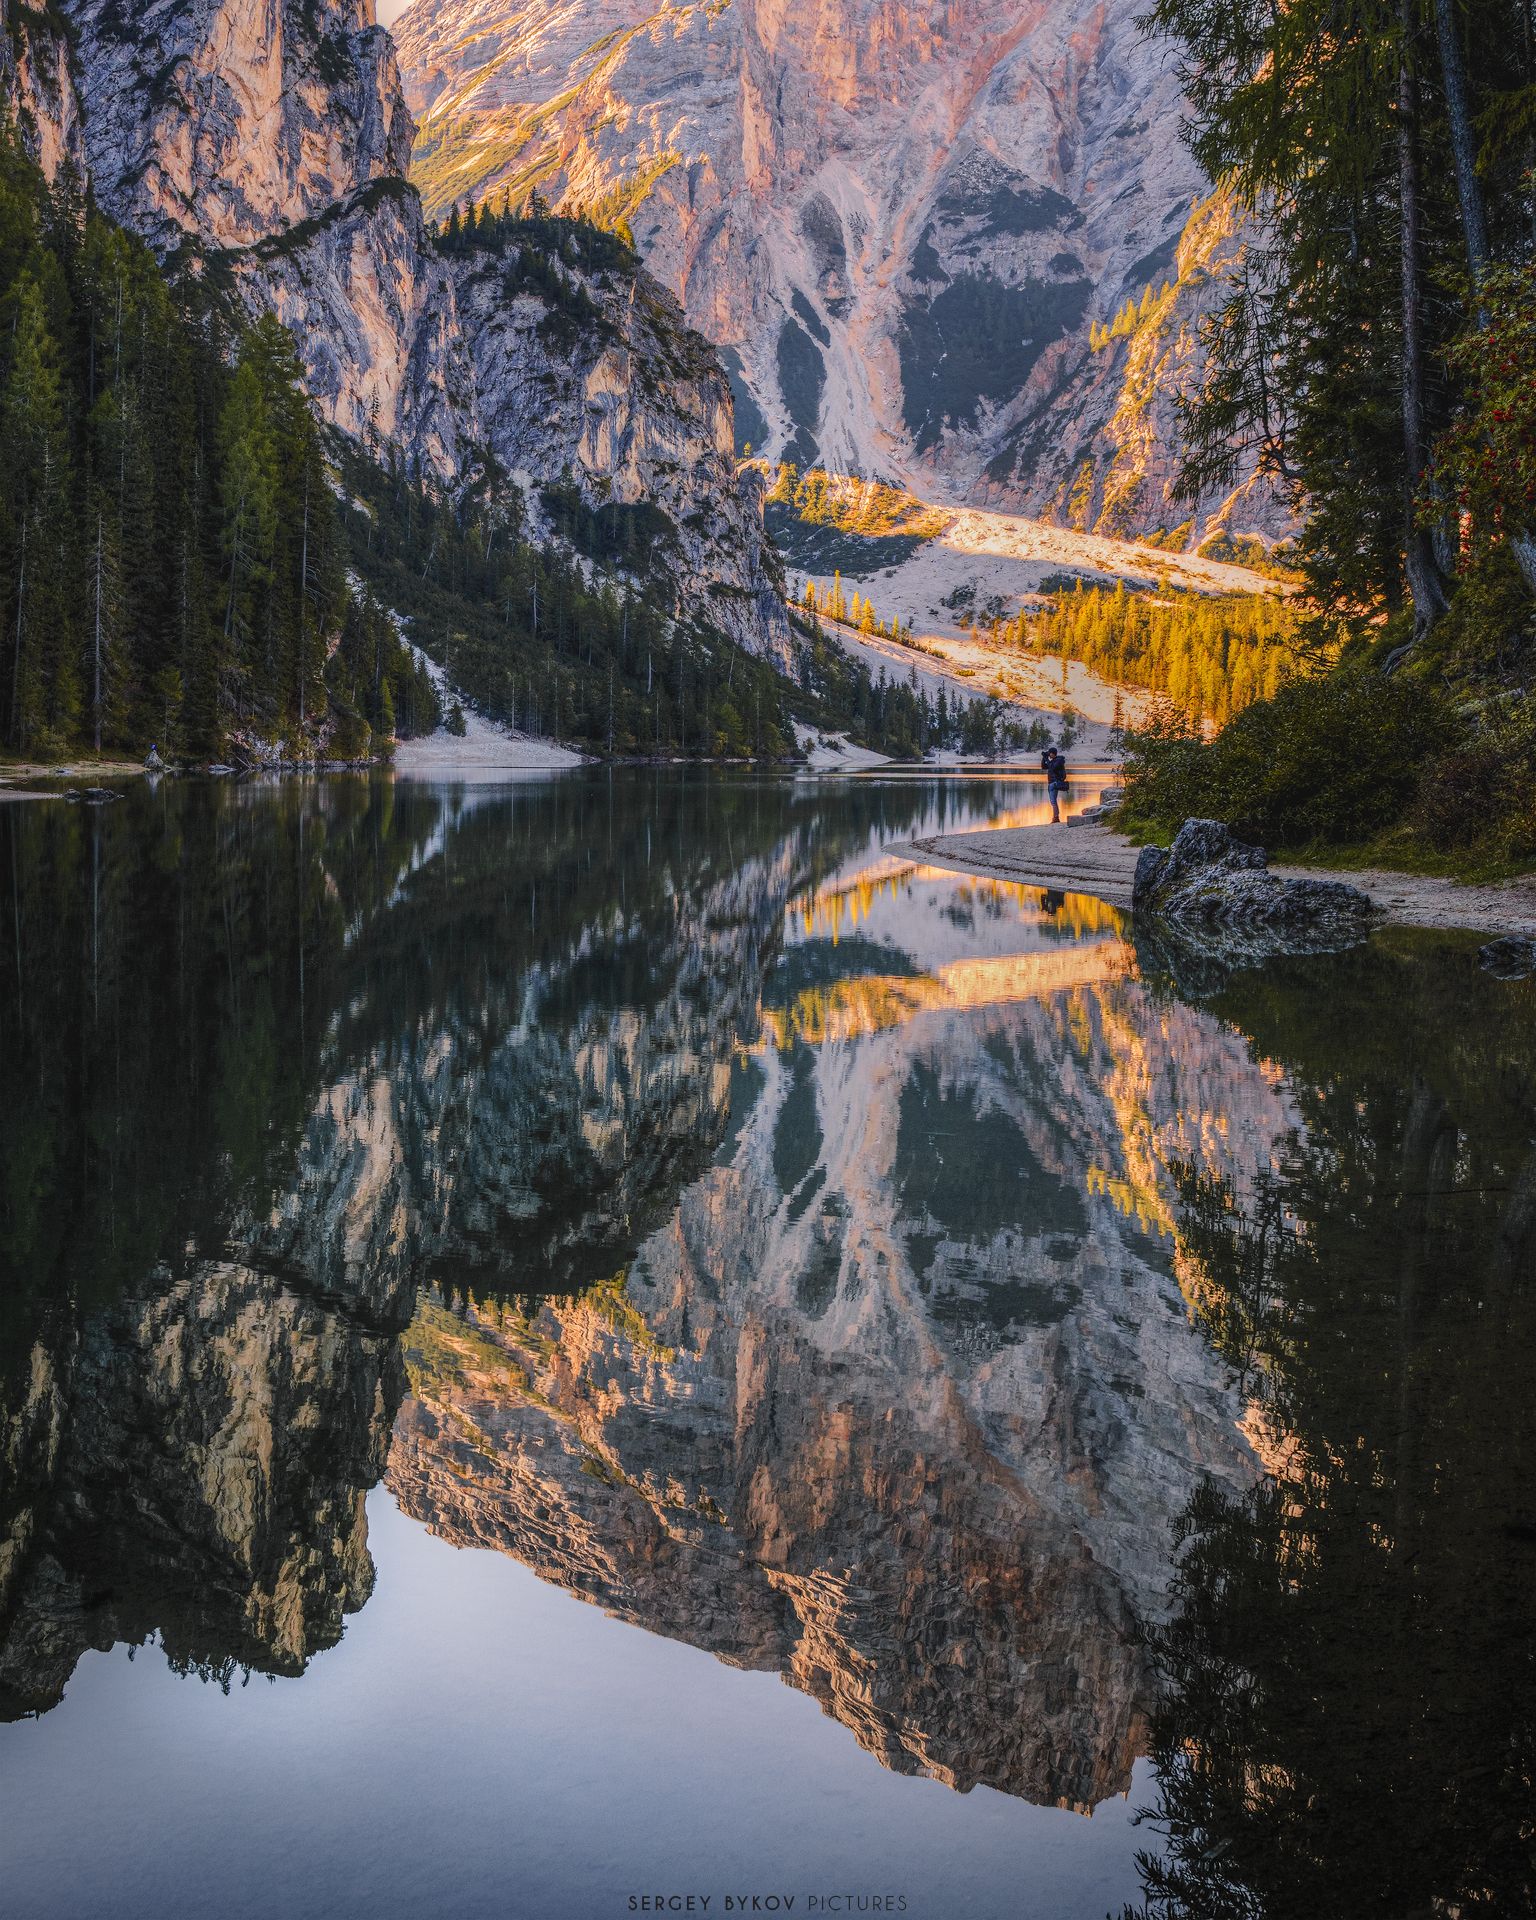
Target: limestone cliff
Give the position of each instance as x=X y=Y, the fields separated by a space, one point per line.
x=37 y=81
x=264 y=144
x=902 y=219
x=626 y=397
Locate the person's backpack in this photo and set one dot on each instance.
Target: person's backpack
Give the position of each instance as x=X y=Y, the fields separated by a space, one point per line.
x=1058 y=775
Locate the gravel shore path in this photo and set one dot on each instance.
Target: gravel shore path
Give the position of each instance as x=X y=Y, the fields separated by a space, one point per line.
x=1092 y=859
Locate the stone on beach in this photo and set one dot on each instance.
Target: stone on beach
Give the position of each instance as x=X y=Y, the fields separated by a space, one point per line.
x=1208 y=879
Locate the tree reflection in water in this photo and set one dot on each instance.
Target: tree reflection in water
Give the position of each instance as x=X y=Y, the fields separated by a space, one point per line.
x=303 y=1088
x=212 y=1223
x=1351 y=1724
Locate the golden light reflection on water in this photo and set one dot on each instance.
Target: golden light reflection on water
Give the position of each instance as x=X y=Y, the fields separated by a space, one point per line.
x=841 y=907
x=873 y=1003
x=1131 y=1200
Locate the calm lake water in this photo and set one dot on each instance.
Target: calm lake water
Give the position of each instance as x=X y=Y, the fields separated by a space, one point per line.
x=619 y=1338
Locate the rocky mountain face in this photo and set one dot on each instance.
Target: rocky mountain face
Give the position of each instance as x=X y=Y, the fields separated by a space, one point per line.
x=38 y=81
x=902 y=221
x=585 y=367
x=265 y=143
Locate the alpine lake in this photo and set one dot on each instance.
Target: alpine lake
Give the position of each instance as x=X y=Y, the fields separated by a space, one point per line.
x=621 y=1340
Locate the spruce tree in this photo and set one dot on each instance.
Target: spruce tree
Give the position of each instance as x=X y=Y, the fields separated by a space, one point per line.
x=43 y=693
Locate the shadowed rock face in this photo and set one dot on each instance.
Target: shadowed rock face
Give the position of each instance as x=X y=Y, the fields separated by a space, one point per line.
x=222 y=1433
x=638 y=407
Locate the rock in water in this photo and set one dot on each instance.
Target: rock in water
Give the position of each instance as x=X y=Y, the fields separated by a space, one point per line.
x=1210 y=881
x=1508 y=959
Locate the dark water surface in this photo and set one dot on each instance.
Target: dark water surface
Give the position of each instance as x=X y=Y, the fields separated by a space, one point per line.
x=618 y=1338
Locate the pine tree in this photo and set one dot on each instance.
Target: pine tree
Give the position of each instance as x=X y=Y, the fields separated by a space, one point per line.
x=248 y=489
x=43 y=692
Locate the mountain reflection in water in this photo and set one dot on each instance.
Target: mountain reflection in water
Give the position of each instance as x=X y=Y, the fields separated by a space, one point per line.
x=858 y=1272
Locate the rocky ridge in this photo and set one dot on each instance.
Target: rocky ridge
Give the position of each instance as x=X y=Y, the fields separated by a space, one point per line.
x=265 y=144
x=903 y=222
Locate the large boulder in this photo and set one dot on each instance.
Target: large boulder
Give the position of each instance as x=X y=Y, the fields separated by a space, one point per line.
x=1508 y=959
x=1207 y=881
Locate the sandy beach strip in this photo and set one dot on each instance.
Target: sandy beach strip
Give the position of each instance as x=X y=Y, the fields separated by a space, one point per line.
x=1093 y=859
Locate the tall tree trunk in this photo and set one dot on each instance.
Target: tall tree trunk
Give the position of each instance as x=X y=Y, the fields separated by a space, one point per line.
x=1426 y=585
x=21 y=603
x=1469 y=192
x=304 y=600
x=234 y=563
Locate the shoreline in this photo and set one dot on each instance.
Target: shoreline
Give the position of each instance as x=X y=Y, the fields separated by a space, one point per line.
x=1095 y=860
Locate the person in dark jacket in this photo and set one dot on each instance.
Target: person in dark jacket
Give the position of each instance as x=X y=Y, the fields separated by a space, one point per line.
x=1055 y=765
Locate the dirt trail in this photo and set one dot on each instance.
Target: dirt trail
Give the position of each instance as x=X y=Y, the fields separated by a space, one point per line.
x=1092 y=859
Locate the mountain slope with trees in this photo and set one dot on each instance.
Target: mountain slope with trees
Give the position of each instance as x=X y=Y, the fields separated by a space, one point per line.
x=262 y=150
x=171 y=562
x=1376 y=356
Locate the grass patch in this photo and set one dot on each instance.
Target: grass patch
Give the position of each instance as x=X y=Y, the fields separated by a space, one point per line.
x=1402 y=851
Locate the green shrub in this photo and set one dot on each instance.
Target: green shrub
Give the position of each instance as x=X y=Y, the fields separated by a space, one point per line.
x=1483 y=793
x=1335 y=758
x=1486 y=641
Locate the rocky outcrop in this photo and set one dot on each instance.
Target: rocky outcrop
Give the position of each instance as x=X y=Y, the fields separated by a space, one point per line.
x=630 y=402
x=264 y=144
x=902 y=222
x=1508 y=959
x=37 y=82
x=1210 y=883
